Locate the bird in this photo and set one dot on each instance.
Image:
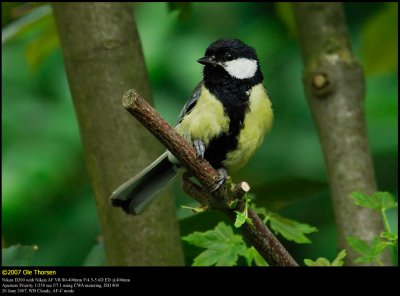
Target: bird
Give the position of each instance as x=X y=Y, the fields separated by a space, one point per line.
x=225 y=119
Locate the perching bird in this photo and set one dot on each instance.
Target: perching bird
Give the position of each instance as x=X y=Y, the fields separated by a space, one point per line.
x=225 y=120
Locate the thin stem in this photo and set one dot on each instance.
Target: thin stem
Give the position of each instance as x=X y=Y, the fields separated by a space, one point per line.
x=385 y=221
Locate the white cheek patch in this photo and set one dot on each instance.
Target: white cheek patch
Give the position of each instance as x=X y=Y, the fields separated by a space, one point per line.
x=241 y=68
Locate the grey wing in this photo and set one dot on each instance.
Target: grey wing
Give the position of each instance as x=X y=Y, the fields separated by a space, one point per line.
x=191 y=102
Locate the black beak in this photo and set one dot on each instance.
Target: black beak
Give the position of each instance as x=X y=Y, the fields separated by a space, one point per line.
x=207 y=60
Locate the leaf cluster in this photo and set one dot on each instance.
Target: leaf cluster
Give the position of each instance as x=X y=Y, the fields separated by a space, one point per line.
x=223 y=248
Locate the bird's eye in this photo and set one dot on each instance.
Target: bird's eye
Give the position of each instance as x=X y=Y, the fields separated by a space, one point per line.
x=228 y=56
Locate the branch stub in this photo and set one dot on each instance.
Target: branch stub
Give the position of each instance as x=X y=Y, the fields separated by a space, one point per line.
x=129 y=98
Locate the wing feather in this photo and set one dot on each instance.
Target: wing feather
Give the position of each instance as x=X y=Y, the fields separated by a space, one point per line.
x=191 y=102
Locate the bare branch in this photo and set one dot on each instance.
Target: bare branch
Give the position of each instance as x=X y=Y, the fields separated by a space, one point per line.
x=222 y=199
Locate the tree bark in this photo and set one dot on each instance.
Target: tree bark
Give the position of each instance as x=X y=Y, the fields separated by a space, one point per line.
x=334 y=85
x=103 y=58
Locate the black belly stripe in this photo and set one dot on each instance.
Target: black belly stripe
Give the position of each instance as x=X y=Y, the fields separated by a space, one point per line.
x=235 y=101
x=219 y=147
x=232 y=93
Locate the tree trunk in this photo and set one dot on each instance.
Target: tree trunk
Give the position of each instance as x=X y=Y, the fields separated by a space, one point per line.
x=103 y=59
x=334 y=85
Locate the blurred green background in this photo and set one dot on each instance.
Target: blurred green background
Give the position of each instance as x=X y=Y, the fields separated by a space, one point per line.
x=46 y=196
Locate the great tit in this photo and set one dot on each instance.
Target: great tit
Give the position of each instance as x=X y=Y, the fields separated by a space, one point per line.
x=225 y=119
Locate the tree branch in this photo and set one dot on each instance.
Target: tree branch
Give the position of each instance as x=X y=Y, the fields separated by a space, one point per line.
x=334 y=85
x=222 y=199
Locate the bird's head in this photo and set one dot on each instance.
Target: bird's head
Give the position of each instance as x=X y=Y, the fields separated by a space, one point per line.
x=232 y=55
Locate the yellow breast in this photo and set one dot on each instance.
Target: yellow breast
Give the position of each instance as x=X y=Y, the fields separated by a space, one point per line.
x=257 y=122
x=206 y=121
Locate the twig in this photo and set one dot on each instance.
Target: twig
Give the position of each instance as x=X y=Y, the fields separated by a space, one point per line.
x=222 y=199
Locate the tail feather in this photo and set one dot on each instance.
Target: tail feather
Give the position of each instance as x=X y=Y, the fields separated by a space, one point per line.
x=136 y=193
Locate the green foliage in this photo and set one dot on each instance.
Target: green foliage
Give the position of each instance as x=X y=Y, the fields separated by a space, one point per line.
x=222 y=246
x=338 y=261
x=369 y=252
x=389 y=236
x=251 y=254
x=18 y=255
x=289 y=229
x=381 y=201
x=242 y=217
x=379 y=38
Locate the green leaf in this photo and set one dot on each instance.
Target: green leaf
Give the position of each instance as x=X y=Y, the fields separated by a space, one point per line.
x=365 y=200
x=322 y=262
x=220 y=255
x=290 y=229
x=240 y=219
x=18 y=255
x=97 y=256
x=379 y=41
x=249 y=221
x=369 y=252
x=223 y=246
x=380 y=246
x=386 y=199
x=339 y=259
x=318 y=262
x=258 y=259
x=309 y=262
x=377 y=201
x=251 y=254
x=390 y=236
x=359 y=245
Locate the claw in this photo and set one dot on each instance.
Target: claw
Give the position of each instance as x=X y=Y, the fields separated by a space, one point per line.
x=223 y=174
x=200 y=148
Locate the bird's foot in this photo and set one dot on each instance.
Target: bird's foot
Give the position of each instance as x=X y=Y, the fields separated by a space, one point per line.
x=223 y=174
x=200 y=148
